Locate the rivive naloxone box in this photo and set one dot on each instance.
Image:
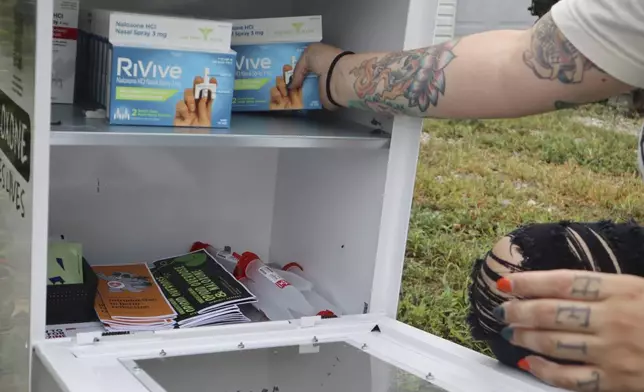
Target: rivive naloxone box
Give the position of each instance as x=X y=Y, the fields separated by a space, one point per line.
x=267 y=51
x=171 y=87
x=169 y=71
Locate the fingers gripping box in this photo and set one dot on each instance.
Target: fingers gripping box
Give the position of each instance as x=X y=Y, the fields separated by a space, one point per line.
x=167 y=71
x=267 y=51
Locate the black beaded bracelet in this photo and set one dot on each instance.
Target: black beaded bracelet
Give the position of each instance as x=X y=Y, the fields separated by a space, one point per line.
x=330 y=73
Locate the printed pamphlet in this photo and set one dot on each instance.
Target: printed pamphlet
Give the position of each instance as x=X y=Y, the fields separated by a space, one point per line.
x=130 y=293
x=200 y=290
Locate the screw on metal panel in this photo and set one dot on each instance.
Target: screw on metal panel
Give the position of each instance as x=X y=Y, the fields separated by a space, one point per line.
x=96 y=340
x=364 y=346
x=163 y=353
x=429 y=377
x=241 y=345
x=315 y=339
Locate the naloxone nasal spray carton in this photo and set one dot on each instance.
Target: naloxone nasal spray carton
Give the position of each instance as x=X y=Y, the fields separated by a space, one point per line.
x=64 y=44
x=267 y=51
x=165 y=71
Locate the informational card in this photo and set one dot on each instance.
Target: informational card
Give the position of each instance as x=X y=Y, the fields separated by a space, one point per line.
x=64 y=263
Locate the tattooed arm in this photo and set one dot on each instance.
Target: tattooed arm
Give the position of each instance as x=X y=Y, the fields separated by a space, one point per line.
x=487 y=75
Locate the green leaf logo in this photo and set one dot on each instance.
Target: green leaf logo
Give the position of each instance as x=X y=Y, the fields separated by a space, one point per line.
x=192 y=260
x=205 y=31
x=298 y=26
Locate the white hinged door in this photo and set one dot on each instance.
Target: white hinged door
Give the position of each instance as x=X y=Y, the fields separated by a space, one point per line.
x=447 y=364
x=357 y=353
x=25 y=85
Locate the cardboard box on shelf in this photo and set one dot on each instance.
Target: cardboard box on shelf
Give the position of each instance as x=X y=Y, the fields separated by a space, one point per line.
x=159 y=70
x=64 y=45
x=267 y=51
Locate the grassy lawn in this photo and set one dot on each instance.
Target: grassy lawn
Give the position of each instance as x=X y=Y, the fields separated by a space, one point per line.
x=477 y=180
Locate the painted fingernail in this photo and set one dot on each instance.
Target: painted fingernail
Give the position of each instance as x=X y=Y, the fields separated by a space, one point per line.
x=504 y=285
x=499 y=313
x=507 y=333
x=524 y=365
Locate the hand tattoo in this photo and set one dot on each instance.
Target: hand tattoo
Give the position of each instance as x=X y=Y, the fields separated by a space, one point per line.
x=579 y=314
x=413 y=79
x=590 y=385
x=586 y=287
x=581 y=347
x=553 y=57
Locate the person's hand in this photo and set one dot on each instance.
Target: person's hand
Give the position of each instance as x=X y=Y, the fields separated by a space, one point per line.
x=191 y=112
x=316 y=59
x=585 y=317
x=284 y=98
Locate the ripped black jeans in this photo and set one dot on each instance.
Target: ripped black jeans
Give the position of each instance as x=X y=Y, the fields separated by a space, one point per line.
x=601 y=246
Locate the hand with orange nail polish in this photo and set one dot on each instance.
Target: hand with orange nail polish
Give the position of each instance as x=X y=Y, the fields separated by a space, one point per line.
x=593 y=320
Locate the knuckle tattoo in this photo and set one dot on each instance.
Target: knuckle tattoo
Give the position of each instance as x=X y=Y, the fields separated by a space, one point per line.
x=573 y=315
x=585 y=287
x=579 y=349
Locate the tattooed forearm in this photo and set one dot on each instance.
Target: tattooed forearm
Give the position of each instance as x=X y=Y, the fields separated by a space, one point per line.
x=403 y=82
x=552 y=57
x=591 y=384
x=379 y=107
x=579 y=315
x=579 y=347
x=586 y=287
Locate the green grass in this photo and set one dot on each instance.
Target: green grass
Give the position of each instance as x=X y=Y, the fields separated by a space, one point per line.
x=478 y=180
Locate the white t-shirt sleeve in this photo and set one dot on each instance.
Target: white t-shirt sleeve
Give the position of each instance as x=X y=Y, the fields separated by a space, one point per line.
x=610 y=33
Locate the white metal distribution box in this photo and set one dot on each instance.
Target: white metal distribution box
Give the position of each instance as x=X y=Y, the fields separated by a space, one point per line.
x=330 y=191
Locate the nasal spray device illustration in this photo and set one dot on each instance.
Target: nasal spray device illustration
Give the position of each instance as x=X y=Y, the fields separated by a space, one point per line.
x=206 y=86
x=289 y=74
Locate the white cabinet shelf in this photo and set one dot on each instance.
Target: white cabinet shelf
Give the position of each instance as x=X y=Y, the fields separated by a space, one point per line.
x=247 y=130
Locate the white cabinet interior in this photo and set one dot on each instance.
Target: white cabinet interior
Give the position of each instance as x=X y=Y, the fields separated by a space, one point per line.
x=331 y=191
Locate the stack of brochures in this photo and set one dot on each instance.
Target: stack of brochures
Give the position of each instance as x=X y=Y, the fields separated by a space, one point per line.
x=129 y=299
x=200 y=290
x=183 y=291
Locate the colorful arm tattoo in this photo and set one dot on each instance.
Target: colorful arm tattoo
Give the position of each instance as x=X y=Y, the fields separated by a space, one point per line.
x=403 y=82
